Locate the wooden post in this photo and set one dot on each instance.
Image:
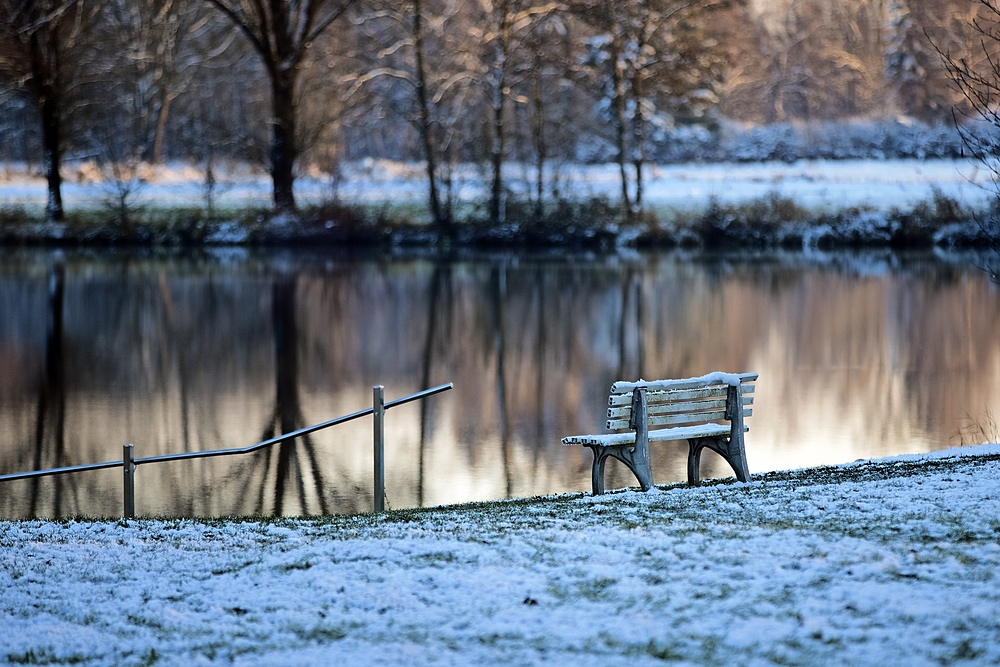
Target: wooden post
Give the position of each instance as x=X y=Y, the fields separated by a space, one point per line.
x=378 y=405
x=128 y=480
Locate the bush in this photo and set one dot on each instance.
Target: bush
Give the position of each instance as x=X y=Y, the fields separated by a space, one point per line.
x=787 y=142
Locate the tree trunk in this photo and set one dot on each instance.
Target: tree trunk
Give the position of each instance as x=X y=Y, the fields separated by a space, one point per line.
x=618 y=103
x=638 y=138
x=538 y=135
x=496 y=189
x=161 y=125
x=500 y=81
x=45 y=73
x=441 y=222
x=283 y=148
x=619 y=106
x=51 y=129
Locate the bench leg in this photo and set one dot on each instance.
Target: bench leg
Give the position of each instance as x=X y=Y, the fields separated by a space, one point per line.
x=627 y=454
x=694 y=461
x=597 y=472
x=733 y=452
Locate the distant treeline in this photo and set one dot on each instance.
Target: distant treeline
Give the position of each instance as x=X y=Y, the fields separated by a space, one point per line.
x=292 y=84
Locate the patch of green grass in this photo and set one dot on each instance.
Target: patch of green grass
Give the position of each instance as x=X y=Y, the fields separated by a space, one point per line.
x=496 y=638
x=321 y=633
x=667 y=653
x=44 y=656
x=235 y=567
x=436 y=558
x=594 y=590
x=301 y=564
x=150 y=657
x=965 y=650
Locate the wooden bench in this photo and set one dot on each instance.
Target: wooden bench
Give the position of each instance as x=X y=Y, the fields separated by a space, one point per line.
x=692 y=409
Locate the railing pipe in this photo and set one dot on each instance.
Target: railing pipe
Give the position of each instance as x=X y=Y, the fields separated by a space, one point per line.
x=60 y=471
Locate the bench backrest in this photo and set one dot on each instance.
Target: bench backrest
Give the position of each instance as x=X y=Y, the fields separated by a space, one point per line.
x=680 y=402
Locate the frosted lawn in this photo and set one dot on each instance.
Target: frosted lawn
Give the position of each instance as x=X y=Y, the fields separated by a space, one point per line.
x=890 y=562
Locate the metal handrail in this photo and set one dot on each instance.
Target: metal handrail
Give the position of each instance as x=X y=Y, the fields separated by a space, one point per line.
x=59 y=471
x=128 y=462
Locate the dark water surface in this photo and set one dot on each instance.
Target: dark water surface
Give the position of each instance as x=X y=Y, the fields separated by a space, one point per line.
x=858 y=355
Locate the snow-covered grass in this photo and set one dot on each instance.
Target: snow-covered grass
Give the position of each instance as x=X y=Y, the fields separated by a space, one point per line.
x=807 y=204
x=820 y=186
x=890 y=562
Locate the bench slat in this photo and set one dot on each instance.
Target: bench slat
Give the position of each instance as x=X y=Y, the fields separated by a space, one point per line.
x=678 y=394
x=673 y=408
x=656 y=435
x=687 y=383
x=686 y=418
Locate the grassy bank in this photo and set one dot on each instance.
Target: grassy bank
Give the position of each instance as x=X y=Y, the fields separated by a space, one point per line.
x=887 y=562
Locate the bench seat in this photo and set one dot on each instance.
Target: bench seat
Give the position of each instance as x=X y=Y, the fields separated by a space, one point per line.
x=655 y=435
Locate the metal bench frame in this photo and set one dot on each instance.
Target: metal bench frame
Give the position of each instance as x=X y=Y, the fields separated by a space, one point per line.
x=673 y=405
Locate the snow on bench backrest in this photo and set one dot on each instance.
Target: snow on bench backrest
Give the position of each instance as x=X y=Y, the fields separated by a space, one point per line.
x=686 y=401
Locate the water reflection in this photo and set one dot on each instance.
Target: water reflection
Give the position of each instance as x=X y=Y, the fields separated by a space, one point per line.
x=859 y=356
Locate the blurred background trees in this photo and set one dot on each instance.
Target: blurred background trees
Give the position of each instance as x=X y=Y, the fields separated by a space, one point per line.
x=519 y=87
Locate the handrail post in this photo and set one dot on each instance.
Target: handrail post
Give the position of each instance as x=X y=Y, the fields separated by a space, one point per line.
x=128 y=479
x=378 y=413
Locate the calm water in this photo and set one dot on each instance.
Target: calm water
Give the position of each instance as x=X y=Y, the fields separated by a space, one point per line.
x=859 y=356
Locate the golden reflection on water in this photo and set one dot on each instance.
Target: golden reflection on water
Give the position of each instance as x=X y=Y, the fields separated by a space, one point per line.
x=858 y=356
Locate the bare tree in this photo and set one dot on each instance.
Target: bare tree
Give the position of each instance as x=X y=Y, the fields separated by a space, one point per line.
x=506 y=32
x=975 y=73
x=281 y=31
x=162 y=44
x=37 y=41
x=650 y=57
x=546 y=85
x=423 y=45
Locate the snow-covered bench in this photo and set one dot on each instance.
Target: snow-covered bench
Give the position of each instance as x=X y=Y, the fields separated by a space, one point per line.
x=691 y=408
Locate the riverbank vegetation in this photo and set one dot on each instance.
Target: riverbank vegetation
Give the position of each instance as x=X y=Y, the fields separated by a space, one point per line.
x=770 y=221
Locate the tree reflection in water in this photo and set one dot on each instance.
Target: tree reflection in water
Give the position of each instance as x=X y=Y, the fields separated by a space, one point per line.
x=50 y=420
x=282 y=459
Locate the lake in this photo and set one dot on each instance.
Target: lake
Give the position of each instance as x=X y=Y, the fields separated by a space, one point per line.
x=859 y=355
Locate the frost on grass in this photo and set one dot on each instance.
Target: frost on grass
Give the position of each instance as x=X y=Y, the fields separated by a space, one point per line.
x=890 y=561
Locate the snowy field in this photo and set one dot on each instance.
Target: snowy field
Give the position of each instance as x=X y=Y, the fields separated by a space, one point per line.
x=821 y=186
x=891 y=562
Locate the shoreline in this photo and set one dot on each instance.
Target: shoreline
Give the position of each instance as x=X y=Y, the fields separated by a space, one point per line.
x=756 y=225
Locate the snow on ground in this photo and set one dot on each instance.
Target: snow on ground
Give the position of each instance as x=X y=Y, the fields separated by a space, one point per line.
x=824 y=186
x=891 y=562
